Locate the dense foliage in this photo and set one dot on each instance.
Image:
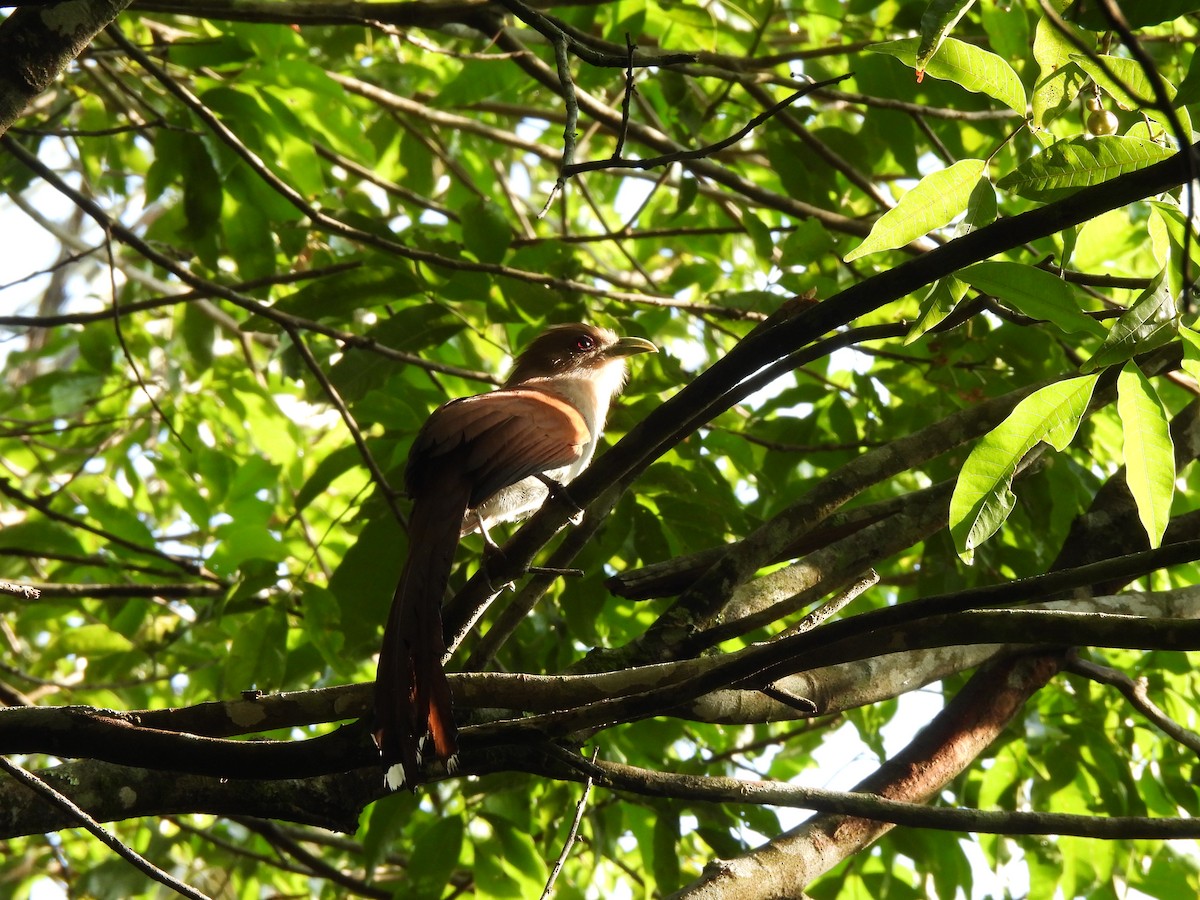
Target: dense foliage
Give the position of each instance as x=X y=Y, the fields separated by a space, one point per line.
x=924 y=332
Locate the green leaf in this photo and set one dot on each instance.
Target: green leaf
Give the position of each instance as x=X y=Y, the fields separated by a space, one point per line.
x=199 y=331
x=983 y=496
x=938 y=303
x=517 y=870
x=89 y=641
x=365 y=579
x=937 y=20
x=1060 y=79
x=376 y=283
x=1034 y=292
x=760 y=236
x=1066 y=166
x=434 y=857
x=486 y=231
x=412 y=328
x=689 y=190
x=1149 y=452
x=1168 y=226
x=981 y=208
x=1054 y=95
x=1129 y=73
x=336 y=463
x=322 y=626
x=1007 y=28
x=933 y=202
x=666 y=857
x=258 y=653
x=971 y=67
x=1148 y=324
x=1191 y=352
x=383 y=823
x=203 y=196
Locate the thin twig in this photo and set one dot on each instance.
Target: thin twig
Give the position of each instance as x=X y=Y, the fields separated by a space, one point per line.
x=212 y=288
x=843 y=599
x=1163 y=104
x=579 y=43
x=700 y=152
x=319 y=218
x=1138 y=696
x=110 y=840
x=191 y=566
x=571 y=835
x=339 y=404
x=571 y=104
x=116 y=318
x=626 y=100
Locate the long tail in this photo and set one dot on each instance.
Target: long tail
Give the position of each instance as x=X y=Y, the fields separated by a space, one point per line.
x=412 y=695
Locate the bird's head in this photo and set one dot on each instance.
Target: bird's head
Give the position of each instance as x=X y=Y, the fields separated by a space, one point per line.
x=580 y=351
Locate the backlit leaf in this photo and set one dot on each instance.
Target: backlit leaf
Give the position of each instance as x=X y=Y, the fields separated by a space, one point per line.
x=983 y=496
x=1066 y=166
x=971 y=67
x=933 y=202
x=1149 y=453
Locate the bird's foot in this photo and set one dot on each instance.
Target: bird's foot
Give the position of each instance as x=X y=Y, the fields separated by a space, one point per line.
x=492 y=555
x=558 y=491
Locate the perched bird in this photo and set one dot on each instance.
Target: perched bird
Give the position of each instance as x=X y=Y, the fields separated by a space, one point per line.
x=475 y=462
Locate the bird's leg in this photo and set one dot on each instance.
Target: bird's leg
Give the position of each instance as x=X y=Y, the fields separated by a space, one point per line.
x=558 y=491
x=491 y=550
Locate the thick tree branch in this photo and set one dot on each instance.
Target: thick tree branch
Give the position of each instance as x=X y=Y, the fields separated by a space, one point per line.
x=37 y=43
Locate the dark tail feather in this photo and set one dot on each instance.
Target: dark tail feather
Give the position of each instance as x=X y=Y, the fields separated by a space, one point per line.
x=412 y=695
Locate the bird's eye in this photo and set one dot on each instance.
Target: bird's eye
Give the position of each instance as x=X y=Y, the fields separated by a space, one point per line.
x=584 y=343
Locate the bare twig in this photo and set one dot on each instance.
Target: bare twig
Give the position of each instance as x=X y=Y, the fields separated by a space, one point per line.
x=1137 y=693
x=581 y=45
x=571 y=834
x=191 y=566
x=211 y=288
x=60 y=800
x=318 y=217
x=116 y=319
x=715 y=789
x=627 y=99
x=700 y=152
x=841 y=601
x=571 y=104
x=389 y=496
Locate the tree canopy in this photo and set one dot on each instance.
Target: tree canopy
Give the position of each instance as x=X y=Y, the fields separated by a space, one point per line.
x=886 y=583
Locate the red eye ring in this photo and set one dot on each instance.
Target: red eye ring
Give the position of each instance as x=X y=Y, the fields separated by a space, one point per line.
x=584 y=343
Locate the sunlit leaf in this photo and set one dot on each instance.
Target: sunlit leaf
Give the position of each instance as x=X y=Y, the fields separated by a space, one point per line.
x=1191 y=352
x=936 y=22
x=965 y=64
x=1115 y=74
x=983 y=497
x=938 y=303
x=933 y=202
x=1147 y=324
x=1149 y=452
x=1068 y=165
x=1035 y=292
x=258 y=655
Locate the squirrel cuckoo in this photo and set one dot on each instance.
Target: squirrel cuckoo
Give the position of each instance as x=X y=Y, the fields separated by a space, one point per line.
x=475 y=462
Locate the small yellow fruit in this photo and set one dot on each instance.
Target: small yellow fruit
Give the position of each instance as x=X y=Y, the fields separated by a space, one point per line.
x=1101 y=121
